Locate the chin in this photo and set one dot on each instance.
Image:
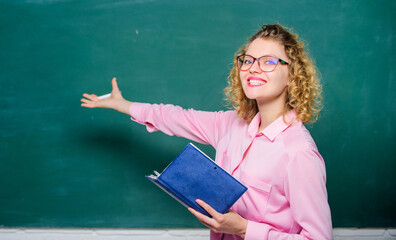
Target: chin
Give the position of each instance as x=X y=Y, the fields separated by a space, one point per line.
x=253 y=96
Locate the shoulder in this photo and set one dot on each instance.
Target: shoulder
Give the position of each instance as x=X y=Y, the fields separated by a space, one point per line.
x=300 y=146
x=229 y=119
x=297 y=138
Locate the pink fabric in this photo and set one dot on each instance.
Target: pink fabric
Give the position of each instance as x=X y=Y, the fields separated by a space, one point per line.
x=282 y=168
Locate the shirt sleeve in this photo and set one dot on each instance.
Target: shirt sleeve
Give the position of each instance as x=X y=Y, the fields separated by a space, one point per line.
x=305 y=188
x=199 y=126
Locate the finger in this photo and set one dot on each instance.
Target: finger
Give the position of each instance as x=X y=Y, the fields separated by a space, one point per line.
x=215 y=214
x=88 y=101
x=114 y=84
x=198 y=216
x=206 y=225
x=94 y=97
x=91 y=97
x=205 y=220
x=86 y=105
x=85 y=100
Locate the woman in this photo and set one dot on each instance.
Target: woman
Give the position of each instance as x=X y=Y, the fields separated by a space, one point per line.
x=262 y=142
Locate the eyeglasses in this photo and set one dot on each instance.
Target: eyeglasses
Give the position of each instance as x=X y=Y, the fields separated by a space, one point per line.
x=266 y=63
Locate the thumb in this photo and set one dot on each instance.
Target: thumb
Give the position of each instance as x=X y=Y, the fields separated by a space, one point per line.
x=116 y=91
x=114 y=84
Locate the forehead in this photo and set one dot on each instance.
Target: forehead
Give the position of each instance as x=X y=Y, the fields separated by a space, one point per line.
x=260 y=47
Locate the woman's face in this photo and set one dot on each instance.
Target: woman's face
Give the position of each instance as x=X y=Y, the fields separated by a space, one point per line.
x=266 y=87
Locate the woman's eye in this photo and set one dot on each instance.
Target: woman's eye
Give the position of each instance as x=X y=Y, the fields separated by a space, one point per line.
x=270 y=61
x=247 y=62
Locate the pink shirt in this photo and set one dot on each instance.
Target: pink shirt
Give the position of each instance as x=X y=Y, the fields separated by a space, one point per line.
x=281 y=166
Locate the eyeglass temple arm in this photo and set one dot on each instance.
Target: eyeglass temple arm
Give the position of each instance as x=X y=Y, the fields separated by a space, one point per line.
x=283 y=62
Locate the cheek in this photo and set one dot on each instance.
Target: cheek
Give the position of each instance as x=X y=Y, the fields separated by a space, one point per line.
x=243 y=80
x=282 y=79
x=287 y=78
x=286 y=81
x=242 y=75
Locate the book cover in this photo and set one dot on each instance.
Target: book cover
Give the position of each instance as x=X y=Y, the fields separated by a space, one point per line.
x=193 y=175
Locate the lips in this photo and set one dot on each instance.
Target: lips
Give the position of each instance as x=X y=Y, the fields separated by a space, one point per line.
x=256 y=81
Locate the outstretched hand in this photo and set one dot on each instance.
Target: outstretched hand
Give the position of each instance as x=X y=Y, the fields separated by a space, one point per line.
x=230 y=222
x=115 y=101
x=92 y=100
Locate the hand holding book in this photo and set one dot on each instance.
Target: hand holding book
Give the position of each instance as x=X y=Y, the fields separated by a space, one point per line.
x=230 y=222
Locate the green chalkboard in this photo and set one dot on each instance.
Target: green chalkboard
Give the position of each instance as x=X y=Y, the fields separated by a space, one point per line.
x=66 y=166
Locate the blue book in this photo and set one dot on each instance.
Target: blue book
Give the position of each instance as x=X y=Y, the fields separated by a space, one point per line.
x=193 y=175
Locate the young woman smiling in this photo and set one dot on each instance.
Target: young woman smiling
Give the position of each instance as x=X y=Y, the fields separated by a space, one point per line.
x=262 y=142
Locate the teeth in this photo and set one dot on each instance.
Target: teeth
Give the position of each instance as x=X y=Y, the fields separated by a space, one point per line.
x=256 y=82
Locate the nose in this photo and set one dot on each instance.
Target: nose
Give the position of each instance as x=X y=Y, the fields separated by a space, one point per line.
x=255 y=67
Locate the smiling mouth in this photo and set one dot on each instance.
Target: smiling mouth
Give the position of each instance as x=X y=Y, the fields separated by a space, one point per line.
x=256 y=82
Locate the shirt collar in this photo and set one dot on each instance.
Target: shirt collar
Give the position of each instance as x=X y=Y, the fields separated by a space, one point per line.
x=275 y=128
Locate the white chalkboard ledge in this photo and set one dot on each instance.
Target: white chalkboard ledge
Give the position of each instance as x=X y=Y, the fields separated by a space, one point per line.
x=164 y=234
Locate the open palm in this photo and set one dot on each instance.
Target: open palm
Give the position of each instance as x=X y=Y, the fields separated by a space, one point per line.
x=92 y=100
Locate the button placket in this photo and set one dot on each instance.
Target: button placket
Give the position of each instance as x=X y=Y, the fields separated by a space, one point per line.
x=246 y=151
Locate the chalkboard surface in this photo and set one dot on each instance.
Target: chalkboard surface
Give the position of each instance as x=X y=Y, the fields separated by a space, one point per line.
x=67 y=166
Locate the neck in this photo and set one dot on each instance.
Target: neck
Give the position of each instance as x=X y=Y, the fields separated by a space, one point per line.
x=270 y=111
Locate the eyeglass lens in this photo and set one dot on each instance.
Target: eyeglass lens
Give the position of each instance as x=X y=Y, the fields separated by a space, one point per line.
x=266 y=63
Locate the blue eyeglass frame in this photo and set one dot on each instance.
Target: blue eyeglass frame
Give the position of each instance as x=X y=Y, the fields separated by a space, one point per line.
x=258 y=62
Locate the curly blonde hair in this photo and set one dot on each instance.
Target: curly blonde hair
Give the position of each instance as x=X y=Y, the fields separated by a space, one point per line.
x=304 y=90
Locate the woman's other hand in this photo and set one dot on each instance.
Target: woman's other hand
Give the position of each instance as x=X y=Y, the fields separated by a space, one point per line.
x=230 y=222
